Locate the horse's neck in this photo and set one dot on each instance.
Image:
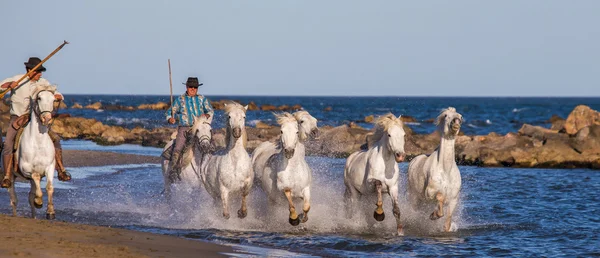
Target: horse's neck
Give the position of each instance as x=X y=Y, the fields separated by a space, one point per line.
x=295 y=160
x=445 y=156
x=35 y=126
x=383 y=150
x=235 y=146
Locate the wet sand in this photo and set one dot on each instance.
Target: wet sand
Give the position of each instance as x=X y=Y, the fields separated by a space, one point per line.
x=24 y=237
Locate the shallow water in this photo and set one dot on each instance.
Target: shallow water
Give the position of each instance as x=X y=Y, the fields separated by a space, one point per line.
x=503 y=212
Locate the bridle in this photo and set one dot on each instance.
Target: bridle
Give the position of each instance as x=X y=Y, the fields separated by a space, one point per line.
x=40 y=113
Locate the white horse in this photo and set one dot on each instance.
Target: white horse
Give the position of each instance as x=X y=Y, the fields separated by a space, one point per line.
x=230 y=171
x=307 y=127
x=436 y=178
x=35 y=153
x=375 y=171
x=197 y=146
x=283 y=169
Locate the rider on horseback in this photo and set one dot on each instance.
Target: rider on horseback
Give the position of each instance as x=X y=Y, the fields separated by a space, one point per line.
x=20 y=100
x=184 y=108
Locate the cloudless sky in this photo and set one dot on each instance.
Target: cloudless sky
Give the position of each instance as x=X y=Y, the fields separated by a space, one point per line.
x=375 y=48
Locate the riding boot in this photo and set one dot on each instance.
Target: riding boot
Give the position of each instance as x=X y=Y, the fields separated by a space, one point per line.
x=63 y=175
x=7 y=164
x=175 y=171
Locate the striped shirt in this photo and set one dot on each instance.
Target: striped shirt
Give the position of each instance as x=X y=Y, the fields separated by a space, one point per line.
x=186 y=107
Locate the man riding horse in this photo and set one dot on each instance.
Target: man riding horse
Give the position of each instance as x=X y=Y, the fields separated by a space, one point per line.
x=20 y=101
x=183 y=111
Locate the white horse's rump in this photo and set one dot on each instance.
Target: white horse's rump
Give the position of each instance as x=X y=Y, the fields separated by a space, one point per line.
x=375 y=171
x=35 y=153
x=192 y=157
x=230 y=171
x=282 y=169
x=436 y=179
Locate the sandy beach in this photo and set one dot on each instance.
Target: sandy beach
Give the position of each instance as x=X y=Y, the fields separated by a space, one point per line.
x=24 y=237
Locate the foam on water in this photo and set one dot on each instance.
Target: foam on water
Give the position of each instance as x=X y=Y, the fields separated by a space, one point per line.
x=514 y=212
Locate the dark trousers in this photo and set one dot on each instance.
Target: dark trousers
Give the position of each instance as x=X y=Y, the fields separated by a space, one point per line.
x=182 y=132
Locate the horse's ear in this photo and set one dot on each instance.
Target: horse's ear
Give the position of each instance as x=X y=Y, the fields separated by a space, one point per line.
x=246 y=107
x=195 y=119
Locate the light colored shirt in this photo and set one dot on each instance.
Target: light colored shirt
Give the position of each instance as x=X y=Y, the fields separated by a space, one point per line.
x=20 y=98
x=186 y=107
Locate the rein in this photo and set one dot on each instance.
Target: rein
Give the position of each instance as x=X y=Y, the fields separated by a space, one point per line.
x=40 y=113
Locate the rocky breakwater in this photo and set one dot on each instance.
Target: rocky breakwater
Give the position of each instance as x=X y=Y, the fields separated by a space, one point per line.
x=569 y=143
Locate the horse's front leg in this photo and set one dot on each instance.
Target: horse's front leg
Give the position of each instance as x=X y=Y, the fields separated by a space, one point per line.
x=396 y=209
x=243 y=211
x=293 y=218
x=225 y=202
x=306 y=206
x=35 y=194
x=50 y=213
x=439 y=211
x=451 y=206
x=379 y=215
x=13 y=198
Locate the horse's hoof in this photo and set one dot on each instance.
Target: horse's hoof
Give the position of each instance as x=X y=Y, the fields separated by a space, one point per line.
x=379 y=217
x=50 y=216
x=303 y=218
x=295 y=222
x=64 y=176
x=38 y=205
x=400 y=232
x=242 y=214
x=434 y=216
x=6 y=183
x=226 y=216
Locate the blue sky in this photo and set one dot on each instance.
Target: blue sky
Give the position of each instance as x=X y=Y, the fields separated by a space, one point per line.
x=341 y=48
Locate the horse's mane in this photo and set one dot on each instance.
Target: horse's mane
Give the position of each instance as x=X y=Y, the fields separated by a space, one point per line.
x=441 y=116
x=285 y=118
x=298 y=115
x=383 y=124
x=230 y=106
x=38 y=89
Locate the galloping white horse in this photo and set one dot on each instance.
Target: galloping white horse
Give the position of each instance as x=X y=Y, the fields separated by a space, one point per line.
x=196 y=148
x=35 y=153
x=307 y=127
x=230 y=171
x=375 y=171
x=436 y=178
x=283 y=169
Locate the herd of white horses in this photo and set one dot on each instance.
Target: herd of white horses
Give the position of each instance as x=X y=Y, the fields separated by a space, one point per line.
x=279 y=169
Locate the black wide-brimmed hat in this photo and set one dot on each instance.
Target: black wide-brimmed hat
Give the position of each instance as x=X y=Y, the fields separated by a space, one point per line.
x=193 y=82
x=32 y=62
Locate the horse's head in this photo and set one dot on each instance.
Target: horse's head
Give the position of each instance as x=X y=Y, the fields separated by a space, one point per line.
x=43 y=103
x=390 y=130
x=289 y=133
x=202 y=132
x=236 y=118
x=449 y=122
x=307 y=125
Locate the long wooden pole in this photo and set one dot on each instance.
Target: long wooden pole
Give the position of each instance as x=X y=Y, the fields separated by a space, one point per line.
x=36 y=67
x=171 y=85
